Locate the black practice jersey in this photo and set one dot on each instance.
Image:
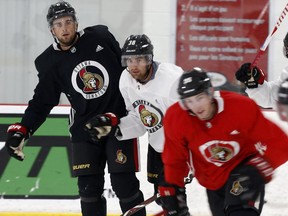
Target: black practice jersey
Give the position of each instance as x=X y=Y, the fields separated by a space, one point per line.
x=88 y=74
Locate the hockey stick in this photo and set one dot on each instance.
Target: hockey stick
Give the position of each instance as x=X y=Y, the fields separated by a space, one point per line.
x=264 y=46
x=141 y=205
x=159 y=214
x=187 y=180
x=269 y=37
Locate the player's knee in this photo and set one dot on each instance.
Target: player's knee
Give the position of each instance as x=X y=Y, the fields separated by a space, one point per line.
x=243 y=188
x=127 y=189
x=91 y=188
x=125 y=185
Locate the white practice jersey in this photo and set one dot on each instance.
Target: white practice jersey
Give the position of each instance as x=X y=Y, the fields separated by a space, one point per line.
x=266 y=94
x=147 y=103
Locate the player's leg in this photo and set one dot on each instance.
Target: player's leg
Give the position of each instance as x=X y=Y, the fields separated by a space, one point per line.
x=89 y=162
x=244 y=192
x=123 y=162
x=155 y=169
x=90 y=190
x=126 y=186
x=216 y=201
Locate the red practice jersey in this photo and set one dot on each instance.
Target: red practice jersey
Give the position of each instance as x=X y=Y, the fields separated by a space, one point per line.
x=216 y=146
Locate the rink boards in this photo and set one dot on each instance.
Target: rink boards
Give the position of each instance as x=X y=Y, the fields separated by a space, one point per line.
x=19 y=201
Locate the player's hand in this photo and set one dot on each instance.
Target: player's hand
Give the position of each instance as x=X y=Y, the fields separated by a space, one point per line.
x=173 y=201
x=102 y=125
x=16 y=136
x=264 y=167
x=250 y=77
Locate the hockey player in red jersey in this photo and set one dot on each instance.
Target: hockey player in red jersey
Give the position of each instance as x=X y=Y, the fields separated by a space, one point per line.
x=224 y=136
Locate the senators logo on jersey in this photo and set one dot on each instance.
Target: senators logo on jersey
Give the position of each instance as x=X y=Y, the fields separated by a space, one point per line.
x=92 y=82
x=149 y=114
x=237 y=188
x=218 y=151
x=148 y=118
x=121 y=157
x=90 y=79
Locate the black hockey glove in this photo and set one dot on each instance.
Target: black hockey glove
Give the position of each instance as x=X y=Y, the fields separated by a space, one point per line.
x=285 y=45
x=102 y=125
x=173 y=201
x=263 y=166
x=17 y=134
x=250 y=77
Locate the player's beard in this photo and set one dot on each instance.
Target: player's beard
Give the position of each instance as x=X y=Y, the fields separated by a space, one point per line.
x=146 y=77
x=66 y=44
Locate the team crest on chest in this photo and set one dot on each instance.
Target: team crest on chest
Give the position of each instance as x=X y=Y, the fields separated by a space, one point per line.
x=149 y=114
x=219 y=152
x=90 y=79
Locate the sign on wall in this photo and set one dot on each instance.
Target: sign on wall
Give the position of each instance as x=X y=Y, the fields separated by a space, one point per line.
x=220 y=35
x=46 y=171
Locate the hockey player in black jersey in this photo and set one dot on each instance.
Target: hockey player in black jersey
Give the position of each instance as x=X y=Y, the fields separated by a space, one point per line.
x=86 y=67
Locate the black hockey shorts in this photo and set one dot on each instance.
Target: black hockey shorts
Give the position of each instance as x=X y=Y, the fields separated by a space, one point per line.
x=245 y=189
x=90 y=158
x=155 y=169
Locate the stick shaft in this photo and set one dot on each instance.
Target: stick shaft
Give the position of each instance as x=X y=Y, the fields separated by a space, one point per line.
x=141 y=205
x=269 y=37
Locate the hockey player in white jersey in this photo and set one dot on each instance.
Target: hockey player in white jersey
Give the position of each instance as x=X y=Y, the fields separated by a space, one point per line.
x=260 y=90
x=148 y=88
x=282 y=102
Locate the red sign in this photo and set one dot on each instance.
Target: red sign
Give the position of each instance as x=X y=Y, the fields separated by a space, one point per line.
x=221 y=35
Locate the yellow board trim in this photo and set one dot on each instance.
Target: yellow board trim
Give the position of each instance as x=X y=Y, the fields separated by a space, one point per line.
x=46 y=214
x=37 y=214
x=42 y=214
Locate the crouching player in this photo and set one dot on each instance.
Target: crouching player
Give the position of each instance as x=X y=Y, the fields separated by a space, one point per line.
x=234 y=149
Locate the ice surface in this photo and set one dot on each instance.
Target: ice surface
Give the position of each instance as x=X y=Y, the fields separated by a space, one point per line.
x=276 y=194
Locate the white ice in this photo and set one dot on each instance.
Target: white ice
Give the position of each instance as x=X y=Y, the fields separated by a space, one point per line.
x=276 y=194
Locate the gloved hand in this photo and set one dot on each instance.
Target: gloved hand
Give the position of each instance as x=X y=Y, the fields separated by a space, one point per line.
x=102 y=125
x=250 y=77
x=265 y=169
x=173 y=201
x=285 y=45
x=17 y=134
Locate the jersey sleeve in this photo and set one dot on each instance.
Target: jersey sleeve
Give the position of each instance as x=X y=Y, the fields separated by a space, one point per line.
x=114 y=45
x=175 y=153
x=268 y=138
x=46 y=95
x=170 y=94
x=130 y=125
x=266 y=94
x=102 y=32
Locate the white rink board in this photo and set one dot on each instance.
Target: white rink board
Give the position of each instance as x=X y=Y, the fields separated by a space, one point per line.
x=276 y=192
